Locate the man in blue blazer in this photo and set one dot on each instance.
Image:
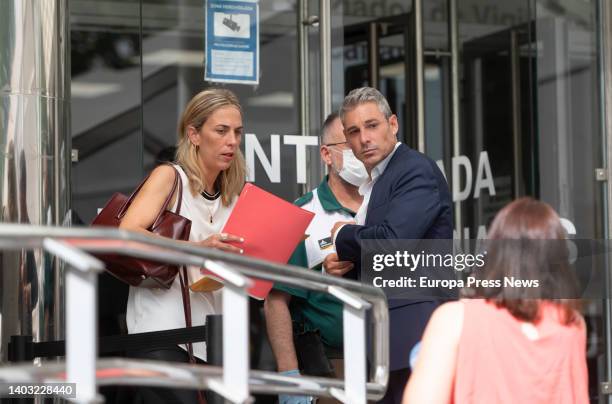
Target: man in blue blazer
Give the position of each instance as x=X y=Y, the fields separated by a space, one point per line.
x=407 y=197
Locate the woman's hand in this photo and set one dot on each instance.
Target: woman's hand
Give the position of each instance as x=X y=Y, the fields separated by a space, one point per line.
x=221 y=241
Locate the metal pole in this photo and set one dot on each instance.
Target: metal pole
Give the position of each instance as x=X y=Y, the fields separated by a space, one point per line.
x=515 y=82
x=420 y=74
x=373 y=57
x=354 y=336
x=478 y=119
x=303 y=25
x=606 y=111
x=453 y=29
x=81 y=318
x=304 y=66
x=81 y=332
x=34 y=173
x=325 y=45
x=236 y=365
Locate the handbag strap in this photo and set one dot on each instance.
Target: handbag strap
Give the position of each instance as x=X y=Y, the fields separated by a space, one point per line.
x=177 y=182
x=186 y=307
x=187 y=312
x=180 y=189
x=164 y=207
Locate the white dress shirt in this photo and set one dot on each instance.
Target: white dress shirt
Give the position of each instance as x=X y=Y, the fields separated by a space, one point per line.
x=365 y=190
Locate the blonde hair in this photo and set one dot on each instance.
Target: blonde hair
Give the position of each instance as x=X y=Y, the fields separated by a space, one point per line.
x=197 y=111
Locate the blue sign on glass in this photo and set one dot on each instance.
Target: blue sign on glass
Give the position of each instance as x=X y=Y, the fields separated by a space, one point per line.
x=232 y=41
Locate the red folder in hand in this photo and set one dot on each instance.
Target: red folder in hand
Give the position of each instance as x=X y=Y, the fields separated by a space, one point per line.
x=271 y=227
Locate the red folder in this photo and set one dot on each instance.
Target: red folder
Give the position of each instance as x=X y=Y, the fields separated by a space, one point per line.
x=271 y=227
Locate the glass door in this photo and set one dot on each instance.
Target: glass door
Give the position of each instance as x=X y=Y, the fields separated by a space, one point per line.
x=377 y=54
x=528 y=100
x=530 y=119
x=498 y=139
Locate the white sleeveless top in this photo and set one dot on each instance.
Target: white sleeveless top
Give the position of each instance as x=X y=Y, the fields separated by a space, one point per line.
x=162 y=309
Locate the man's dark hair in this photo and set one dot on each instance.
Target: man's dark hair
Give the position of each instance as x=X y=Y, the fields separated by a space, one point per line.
x=327 y=125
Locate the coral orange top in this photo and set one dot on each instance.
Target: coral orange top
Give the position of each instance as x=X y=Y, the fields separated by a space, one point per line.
x=503 y=360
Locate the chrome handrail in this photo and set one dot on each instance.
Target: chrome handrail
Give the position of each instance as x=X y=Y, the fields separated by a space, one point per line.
x=112 y=240
x=151 y=373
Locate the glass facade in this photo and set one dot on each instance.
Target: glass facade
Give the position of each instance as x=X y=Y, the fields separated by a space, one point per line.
x=529 y=101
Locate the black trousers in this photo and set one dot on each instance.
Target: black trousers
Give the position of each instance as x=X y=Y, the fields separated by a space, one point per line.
x=155 y=395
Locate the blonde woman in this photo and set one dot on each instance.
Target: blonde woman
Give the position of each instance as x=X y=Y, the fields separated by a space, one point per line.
x=212 y=171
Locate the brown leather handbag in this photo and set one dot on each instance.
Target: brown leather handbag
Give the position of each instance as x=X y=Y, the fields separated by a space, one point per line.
x=146 y=273
x=137 y=271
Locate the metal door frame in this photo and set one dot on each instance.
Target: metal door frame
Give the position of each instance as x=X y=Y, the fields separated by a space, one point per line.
x=605 y=77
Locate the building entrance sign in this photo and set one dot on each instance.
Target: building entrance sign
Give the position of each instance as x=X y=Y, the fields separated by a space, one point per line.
x=232 y=41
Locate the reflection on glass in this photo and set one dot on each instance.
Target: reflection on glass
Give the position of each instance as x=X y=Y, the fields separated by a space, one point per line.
x=437 y=144
x=498 y=143
x=530 y=121
x=529 y=99
x=105 y=53
x=568 y=122
x=173 y=71
x=376 y=54
x=570 y=137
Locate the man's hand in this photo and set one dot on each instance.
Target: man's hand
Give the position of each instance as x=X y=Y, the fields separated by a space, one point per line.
x=337 y=225
x=334 y=266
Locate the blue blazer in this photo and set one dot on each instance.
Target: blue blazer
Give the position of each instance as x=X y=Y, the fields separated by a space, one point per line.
x=410 y=200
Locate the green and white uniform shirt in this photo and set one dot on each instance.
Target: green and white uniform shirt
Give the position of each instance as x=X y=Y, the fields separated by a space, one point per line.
x=316 y=310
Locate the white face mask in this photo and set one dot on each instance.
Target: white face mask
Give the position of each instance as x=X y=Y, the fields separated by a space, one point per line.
x=353 y=171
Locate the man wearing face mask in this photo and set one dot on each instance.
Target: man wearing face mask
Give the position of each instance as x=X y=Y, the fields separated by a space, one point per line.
x=301 y=312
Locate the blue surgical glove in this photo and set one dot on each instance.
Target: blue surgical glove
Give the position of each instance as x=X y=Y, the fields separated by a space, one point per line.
x=287 y=399
x=414 y=354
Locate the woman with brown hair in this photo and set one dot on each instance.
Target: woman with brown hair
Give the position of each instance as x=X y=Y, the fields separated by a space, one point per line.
x=509 y=344
x=212 y=171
